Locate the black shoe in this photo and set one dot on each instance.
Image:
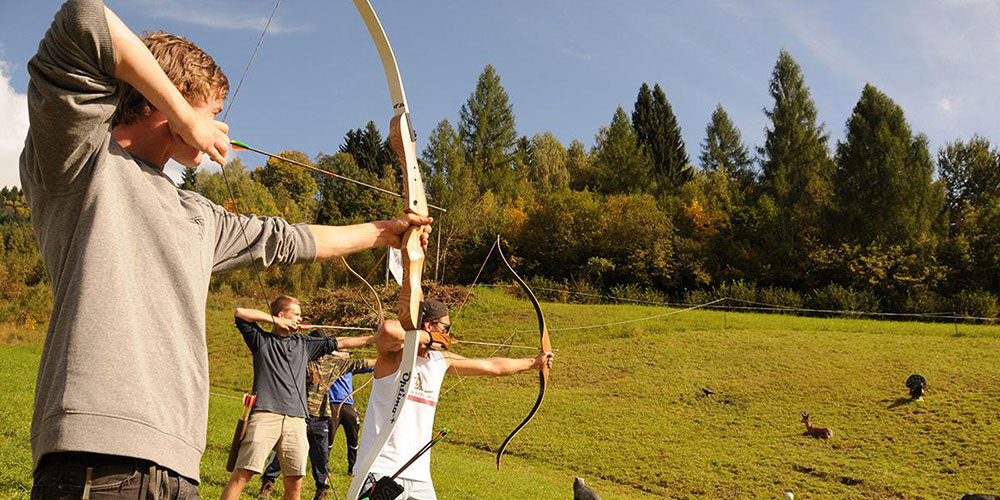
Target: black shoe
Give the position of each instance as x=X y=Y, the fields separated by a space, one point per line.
x=265 y=490
x=320 y=493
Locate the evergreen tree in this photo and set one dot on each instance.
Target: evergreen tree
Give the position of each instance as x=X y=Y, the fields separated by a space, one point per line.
x=189 y=178
x=795 y=163
x=883 y=178
x=449 y=179
x=723 y=150
x=971 y=172
x=370 y=151
x=621 y=165
x=523 y=155
x=487 y=131
x=657 y=130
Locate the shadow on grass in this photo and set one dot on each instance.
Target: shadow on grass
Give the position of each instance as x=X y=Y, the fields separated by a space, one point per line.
x=899 y=402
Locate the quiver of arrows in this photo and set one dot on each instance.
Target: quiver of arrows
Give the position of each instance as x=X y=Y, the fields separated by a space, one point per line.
x=241 y=430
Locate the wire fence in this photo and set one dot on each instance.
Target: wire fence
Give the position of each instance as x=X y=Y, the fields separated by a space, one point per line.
x=742 y=305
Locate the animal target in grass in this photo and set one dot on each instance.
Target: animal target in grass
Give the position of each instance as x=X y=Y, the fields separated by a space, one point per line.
x=917 y=386
x=582 y=492
x=816 y=432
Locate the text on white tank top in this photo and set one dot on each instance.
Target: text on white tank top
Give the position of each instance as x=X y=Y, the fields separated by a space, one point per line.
x=416 y=420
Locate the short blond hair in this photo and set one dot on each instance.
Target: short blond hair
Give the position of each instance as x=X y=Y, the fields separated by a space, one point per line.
x=190 y=69
x=283 y=303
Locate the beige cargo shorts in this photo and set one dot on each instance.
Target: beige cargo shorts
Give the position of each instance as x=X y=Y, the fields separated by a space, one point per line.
x=267 y=430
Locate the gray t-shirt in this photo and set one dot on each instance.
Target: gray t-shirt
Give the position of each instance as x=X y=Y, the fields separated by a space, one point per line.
x=124 y=368
x=279 y=367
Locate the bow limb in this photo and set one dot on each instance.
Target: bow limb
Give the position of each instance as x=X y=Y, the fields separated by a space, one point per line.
x=545 y=345
x=403 y=138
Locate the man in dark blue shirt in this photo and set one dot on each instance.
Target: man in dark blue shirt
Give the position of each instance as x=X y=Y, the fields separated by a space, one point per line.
x=279 y=380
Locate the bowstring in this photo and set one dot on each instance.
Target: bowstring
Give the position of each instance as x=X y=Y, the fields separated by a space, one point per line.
x=462 y=378
x=225 y=176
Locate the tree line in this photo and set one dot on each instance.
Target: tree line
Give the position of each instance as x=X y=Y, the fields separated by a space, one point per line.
x=875 y=222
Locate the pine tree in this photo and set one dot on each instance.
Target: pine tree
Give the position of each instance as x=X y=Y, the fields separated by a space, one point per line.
x=795 y=163
x=189 y=178
x=723 y=149
x=370 y=151
x=883 y=181
x=657 y=130
x=487 y=130
x=449 y=179
x=621 y=165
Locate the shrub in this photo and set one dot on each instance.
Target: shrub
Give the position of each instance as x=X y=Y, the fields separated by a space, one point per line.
x=638 y=294
x=923 y=301
x=696 y=297
x=834 y=297
x=781 y=297
x=738 y=290
x=976 y=304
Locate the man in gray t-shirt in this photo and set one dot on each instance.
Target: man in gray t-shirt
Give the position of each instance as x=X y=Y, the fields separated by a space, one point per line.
x=106 y=112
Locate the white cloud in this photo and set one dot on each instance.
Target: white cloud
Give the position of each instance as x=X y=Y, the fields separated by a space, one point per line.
x=14 y=117
x=826 y=43
x=944 y=104
x=577 y=54
x=234 y=16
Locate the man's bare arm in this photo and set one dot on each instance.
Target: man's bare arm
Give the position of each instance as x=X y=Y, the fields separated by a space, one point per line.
x=390 y=337
x=337 y=241
x=354 y=342
x=389 y=341
x=255 y=316
x=497 y=367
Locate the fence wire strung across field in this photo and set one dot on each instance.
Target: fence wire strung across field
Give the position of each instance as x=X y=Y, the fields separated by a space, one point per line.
x=752 y=306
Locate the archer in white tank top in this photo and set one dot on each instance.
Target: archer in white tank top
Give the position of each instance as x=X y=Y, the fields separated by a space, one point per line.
x=415 y=424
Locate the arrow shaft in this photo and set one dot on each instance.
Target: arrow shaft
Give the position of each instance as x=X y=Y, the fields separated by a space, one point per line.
x=329 y=173
x=332 y=327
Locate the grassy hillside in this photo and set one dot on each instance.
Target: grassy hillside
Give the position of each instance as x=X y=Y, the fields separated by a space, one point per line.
x=625 y=410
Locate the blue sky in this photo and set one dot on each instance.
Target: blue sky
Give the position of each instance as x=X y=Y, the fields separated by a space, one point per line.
x=566 y=64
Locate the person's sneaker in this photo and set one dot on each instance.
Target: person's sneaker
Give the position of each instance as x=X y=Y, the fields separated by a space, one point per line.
x=320 y=494
x=265 y=489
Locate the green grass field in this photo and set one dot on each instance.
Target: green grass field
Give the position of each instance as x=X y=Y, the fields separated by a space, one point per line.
x=625 y=411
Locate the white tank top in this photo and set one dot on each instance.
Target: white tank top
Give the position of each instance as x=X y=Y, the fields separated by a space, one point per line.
x=416 y=421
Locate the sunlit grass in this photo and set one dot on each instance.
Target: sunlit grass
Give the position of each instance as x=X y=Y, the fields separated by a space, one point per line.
x=625 y=408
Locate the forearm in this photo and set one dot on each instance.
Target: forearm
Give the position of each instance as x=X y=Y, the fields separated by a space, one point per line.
x=336 y=241
x=508 y=366
x=354 y=342
x=495 y=367
x=135 y=65
x=253 y=315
